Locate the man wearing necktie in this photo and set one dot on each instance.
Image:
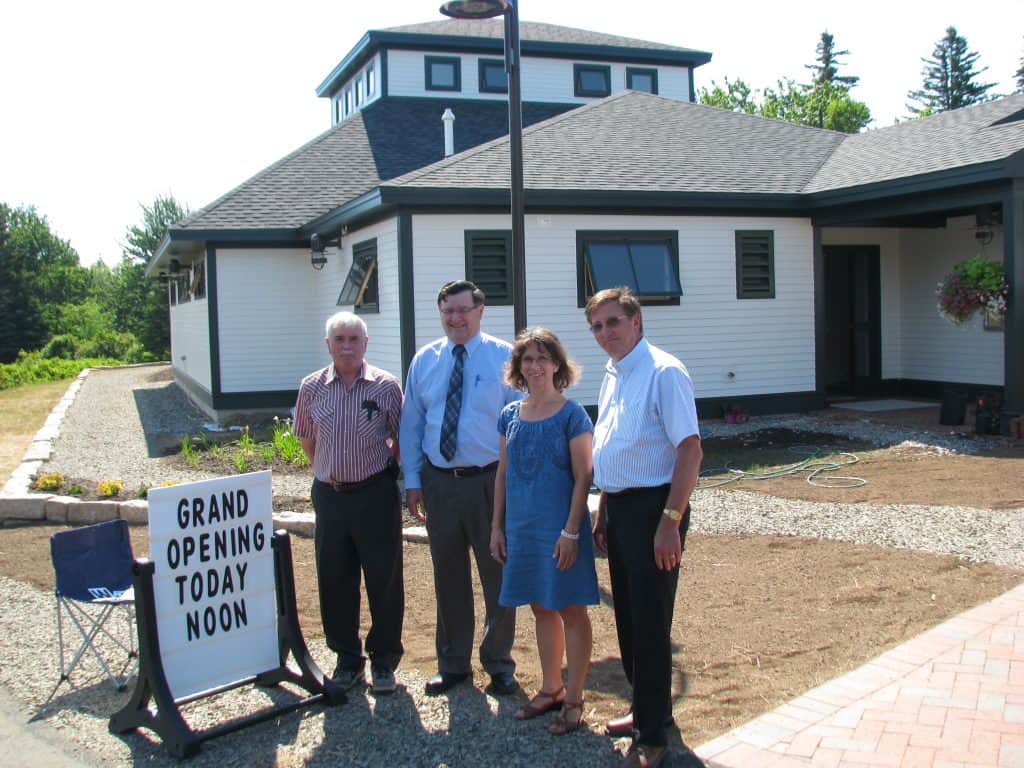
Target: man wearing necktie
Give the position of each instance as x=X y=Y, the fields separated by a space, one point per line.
x=454 y=393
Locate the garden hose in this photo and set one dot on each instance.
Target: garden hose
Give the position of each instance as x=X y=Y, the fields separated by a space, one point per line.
x=814 y=468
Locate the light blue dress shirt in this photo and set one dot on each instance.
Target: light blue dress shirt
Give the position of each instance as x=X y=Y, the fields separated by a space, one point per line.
x=484 y=394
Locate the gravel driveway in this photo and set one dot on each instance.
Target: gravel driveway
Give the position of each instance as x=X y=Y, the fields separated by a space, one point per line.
x=103 y=435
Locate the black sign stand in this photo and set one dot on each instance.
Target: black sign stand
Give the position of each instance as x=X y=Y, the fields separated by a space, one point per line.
x=179 y=738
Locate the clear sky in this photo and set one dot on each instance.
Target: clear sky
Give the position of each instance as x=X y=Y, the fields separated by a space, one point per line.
x=108 y=104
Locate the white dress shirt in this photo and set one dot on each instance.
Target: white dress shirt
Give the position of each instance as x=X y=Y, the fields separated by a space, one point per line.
x=644 y=411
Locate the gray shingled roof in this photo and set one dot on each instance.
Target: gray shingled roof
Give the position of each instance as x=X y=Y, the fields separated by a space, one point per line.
x=387 y=139
x=942 y=142
x=531 y=31
x=638 y=142
x=319 y=176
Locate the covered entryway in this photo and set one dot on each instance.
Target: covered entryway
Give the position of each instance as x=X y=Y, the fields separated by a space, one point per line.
x=853 y=328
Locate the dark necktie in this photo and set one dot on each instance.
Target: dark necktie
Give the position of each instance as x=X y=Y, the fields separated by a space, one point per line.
x=452 y=404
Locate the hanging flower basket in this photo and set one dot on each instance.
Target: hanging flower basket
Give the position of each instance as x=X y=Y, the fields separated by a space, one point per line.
x=974 y=285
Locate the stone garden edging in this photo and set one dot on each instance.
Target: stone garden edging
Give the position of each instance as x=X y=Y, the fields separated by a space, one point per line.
x=19 y=504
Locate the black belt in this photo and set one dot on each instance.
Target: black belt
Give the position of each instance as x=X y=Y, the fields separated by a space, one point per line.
x=464 y=471
x=629 y=491
x=349 y=487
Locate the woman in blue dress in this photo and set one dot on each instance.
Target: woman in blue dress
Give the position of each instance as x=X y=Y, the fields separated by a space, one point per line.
x=541 y=526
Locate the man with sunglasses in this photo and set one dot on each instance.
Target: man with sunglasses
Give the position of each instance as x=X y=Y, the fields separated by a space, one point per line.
x=454 y=393
x=647 y=456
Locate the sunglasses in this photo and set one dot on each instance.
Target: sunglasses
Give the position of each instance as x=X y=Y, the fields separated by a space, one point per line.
x=611 y=324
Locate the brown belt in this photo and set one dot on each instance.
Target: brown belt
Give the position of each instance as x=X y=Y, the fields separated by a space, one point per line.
x=464 y=471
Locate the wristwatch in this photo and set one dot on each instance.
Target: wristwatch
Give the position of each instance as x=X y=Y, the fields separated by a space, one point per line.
x=672 y=514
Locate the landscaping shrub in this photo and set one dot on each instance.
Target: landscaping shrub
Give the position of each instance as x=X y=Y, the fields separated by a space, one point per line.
x=51 y=481
x=32 y=367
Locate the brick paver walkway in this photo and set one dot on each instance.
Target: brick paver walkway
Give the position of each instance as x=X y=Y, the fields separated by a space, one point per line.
x=952 y=697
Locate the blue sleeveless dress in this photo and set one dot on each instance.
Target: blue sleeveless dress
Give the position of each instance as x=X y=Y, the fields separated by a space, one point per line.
x=538 y=492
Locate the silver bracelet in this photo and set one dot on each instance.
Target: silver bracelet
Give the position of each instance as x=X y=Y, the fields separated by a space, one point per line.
x=570 y=536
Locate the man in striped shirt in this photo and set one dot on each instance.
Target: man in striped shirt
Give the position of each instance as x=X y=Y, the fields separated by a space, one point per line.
x=346 y=418
x=647 y=457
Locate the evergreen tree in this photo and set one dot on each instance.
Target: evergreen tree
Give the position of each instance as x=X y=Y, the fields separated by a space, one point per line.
x=1019 y=74
x=139 y=303
x=827 y=68
x=950 y=78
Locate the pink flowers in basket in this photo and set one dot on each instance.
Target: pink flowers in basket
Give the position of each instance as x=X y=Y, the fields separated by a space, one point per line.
x=973 y=285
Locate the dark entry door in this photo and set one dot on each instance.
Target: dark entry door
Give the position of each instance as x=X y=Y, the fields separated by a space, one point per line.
x=853 y=325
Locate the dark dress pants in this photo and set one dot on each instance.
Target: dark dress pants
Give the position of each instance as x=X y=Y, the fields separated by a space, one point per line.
x=459 y=511
x=360 y=531
x=644 y=599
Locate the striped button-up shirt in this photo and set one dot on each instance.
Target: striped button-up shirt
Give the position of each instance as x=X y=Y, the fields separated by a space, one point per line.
x=350 y=425
x=645 y=409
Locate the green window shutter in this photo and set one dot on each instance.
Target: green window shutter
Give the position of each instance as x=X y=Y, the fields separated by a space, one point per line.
x=489 y=264
x=755 y=264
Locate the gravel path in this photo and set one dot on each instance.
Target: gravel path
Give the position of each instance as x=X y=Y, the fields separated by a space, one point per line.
x=103 y=436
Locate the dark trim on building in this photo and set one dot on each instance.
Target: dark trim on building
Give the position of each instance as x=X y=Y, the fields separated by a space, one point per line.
x=383 y=73
x=947 y=189
x=926 y=389
x=406 y=292
x=375 y=40
x=195 y=390
x=428 y=80
x=617 y=200
x=652 y=71
x=820 y=316
x=756 y=405
x=247 y=401
x=580 y=90
x=481 y=66
x=1013 y=329
x=213 y=319
x=693 y=95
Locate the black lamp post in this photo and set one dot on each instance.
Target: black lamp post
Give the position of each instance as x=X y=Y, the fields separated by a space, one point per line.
x=487 y=9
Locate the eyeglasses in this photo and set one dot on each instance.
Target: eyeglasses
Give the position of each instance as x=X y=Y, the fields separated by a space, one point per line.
x=611 y=324
x=460 y=311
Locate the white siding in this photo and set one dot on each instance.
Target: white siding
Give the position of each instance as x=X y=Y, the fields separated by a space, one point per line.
x=888 y=241
x=190 y=341
x=916 y=342
x=768 y=345
x=270 y=317
x=272 y=307
x=543 y=79
x=338 y=98
x=384 y=327
x=934 y=349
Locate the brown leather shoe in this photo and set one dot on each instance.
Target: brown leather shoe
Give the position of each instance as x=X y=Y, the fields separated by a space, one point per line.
x=620 y=726
x=642 y=756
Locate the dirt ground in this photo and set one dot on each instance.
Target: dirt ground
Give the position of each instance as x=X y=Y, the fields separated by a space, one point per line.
x=759 y=619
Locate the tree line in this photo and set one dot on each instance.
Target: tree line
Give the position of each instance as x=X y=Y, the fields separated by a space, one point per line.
x=950 y=80
x=53 y=306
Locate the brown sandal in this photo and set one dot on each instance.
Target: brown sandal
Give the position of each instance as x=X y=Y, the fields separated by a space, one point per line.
x=562 y=724
x=532 y=708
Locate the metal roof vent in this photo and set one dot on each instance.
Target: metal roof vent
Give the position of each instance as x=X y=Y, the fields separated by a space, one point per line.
x=448 y=118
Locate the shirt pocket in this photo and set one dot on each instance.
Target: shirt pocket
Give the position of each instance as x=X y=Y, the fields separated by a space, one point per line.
x=372 y=421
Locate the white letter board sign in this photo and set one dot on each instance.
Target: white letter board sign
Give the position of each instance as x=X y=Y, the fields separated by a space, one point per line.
x=213 y=584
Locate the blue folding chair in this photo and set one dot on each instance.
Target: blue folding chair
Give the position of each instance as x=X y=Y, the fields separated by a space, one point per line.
x=93 y=567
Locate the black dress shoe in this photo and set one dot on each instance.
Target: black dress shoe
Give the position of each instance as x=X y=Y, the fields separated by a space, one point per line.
x=502 y=684
x=444 y=681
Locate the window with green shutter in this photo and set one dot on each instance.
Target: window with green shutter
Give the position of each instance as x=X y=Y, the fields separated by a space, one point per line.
x=360 y=288
x=755 y=264
x=489 y=263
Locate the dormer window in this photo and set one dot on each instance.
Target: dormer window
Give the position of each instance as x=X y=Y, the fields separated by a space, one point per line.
x=360 y=92
x=642 y=79
x=592 y=80
x=443 y=73
x=371 y=81
x=493 y=77
x=348 y=101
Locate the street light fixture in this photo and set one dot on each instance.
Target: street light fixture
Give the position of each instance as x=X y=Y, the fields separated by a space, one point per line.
x=488 y=9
